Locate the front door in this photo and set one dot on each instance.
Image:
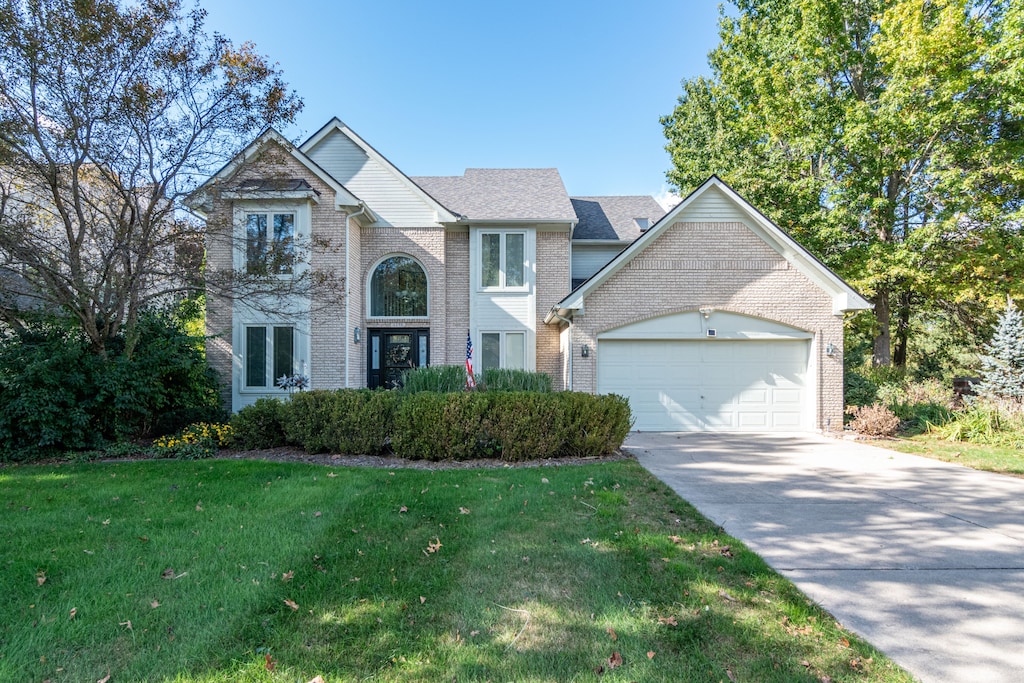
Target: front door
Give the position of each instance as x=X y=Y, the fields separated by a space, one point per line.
x=392 y=353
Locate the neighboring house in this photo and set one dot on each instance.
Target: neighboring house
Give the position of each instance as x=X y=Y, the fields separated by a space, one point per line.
x=709 y=317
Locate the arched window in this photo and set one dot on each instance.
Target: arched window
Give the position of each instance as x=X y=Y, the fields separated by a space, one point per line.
x=398 y=289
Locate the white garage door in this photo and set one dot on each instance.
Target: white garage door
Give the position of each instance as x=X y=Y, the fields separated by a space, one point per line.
x=716 y=385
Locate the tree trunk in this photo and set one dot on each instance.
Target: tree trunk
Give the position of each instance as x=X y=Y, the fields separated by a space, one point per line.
x=899 y=353
x=882 y=351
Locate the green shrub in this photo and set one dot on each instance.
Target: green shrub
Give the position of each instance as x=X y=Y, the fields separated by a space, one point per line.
x=595 y=425
x=859 y=390
x=260 y=425
x=512 y=426
x=456 y=426
x=349 y=421
x=504 y=379
x=57 y=393
x=437 y=378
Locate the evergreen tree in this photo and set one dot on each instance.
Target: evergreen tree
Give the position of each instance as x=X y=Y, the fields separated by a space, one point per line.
x=1003 y=366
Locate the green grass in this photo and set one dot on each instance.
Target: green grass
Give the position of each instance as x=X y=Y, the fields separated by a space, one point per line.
x=991 y=458
x=536 y=574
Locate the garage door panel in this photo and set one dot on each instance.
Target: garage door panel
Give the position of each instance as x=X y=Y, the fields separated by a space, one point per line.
x=709 y=385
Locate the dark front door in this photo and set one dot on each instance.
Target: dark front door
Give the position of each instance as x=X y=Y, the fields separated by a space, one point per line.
x=393 y=352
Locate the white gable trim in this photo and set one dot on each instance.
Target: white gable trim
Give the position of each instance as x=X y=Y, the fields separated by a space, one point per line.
x=199 y=200
x=336 y=125
x=844 y=297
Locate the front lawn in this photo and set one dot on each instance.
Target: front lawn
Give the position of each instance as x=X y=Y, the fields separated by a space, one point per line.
x=992 y=458
x=258 y=571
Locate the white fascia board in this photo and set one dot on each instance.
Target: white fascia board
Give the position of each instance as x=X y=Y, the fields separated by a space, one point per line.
x=199 y=200
x=806 y=263
x=308 y=195
x=337 y=125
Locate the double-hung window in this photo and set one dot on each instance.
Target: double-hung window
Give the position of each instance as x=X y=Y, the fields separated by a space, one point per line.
x=269 y=354
x=503 y=260
x=503 y=350
x=270 y=243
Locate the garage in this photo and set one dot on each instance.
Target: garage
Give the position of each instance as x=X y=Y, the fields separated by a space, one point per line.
x=714 y=385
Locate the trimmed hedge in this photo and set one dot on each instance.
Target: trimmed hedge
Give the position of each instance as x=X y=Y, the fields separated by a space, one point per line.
x=511 y=426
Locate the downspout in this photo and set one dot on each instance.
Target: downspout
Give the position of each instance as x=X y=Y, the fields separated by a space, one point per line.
x=348 y=290
x=567 y=321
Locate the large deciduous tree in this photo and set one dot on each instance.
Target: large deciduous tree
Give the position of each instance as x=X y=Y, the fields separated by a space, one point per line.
x=886 y=135
x=109 y=114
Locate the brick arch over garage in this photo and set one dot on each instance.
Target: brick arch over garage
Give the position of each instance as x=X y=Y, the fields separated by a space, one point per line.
x=724 y=266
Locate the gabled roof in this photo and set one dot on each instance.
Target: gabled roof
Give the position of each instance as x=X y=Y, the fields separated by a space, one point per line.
x=844 y=297
x=444 y=213
x=199 y=199
x=500 y=194
x=614 y=218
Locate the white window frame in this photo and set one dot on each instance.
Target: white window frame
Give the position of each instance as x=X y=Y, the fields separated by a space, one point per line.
x=369 y=288
x=300 y=355
x=503 y=348
x=502 y=261
x=301 y=237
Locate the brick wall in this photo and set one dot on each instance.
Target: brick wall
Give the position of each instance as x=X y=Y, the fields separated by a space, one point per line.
x=457 y=295
x=553 y=283
x=727 y=267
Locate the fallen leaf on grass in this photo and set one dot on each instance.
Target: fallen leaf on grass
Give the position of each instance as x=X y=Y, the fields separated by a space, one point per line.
x=199 y=506
x=268 y=662
x=843 y=642
x=676 y=539
x=127 y=624
x=668 y=621
x=729 y=673
x=332 y=475
x=169 y=574
x=318 y=679
x=725 y=594
x=40 y=578
x=74 y=611
x=403 y=509
x=106 y=522
x=650 y=654
x=544 y=480
x=726 y=551
x=104 y=679
x=154 y=604
x=433 y=546
x=463 y=511
x=287 y=576
x=615 y=661
x=291 y=603
x=610 y=631
x=316 y=514
x=473 y=634
x=422 y=599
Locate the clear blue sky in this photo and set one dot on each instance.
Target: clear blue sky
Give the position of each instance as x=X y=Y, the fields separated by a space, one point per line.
x=438 y=87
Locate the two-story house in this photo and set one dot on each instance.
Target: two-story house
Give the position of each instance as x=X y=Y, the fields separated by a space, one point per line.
x=708 y=317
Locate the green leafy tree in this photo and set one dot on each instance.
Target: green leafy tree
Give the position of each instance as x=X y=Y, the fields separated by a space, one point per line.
x=109 y=115
x=1003 y=365
x=885 y=135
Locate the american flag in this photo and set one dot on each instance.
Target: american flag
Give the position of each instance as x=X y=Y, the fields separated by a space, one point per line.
x=470 y=380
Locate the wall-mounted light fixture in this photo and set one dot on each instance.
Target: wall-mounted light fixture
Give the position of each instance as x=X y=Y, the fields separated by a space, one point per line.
x=830 y=349
x=706 y=311
x=585 y=351
x=357 y=335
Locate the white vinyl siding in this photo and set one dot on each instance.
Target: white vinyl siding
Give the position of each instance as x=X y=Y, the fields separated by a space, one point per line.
x=588 y=259
x=392 y=199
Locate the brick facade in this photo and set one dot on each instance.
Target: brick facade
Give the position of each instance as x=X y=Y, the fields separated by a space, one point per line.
x=727 y=267
x=553 y=267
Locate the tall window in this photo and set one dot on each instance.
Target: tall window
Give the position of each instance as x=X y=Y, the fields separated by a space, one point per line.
x=503 y=350
x=503 y=260
x=269 y=243
x=398 y=289
x=269 y=354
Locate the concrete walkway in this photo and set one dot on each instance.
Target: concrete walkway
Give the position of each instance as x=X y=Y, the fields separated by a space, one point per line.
x=923 y=558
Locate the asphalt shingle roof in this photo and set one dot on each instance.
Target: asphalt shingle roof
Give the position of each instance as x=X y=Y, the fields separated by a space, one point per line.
x=502 y=194
x=612 y=218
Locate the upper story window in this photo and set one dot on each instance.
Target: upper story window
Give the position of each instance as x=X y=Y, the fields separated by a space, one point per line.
x=270 y=243
x=503 y=260
x=398 y=289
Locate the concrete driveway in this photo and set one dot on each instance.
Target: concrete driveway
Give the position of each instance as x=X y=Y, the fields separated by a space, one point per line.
x=923 y=558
